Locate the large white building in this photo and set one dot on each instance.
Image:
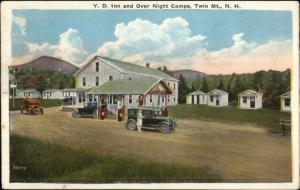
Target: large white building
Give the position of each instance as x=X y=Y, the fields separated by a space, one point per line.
x=217 y=98
x=111 y=79
x=250 y=99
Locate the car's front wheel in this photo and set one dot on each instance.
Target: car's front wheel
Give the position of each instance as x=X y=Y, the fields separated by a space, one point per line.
x=164 y=128
x=75 y=114
x=131 y=125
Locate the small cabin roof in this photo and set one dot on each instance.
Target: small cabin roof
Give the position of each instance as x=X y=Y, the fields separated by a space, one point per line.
x=218 y=92
x=29 y=90
x=250 y=93
x=197 y=92
x=286 y=95
x=51 y=90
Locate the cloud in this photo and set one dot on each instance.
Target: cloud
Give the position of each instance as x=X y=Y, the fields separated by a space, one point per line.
x=142 y=39
x=70 y=48
x=21 y=23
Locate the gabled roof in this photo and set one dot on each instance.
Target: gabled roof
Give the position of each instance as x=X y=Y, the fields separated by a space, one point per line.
x=134 y=86
x=51 y=90
x=29 y=90
x=250 y=92
x=197 y=92
x=75 y=89
x=217 y=91
x=286 y=95
x=130 y=68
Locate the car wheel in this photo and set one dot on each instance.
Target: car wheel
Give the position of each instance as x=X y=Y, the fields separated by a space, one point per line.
x=75 y=114
x=131 y=125
x=164 y=128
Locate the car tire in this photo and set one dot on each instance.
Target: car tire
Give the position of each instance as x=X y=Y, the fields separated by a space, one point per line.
x=164 y=128
x=131 y=125
x=75 y=114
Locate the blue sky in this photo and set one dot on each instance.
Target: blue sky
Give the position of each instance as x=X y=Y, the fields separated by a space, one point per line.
x=97 y=27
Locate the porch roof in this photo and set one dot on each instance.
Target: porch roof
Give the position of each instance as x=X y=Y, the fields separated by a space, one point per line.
x=134 y=86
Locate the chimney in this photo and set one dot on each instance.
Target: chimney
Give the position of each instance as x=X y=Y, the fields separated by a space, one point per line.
x=148 y=65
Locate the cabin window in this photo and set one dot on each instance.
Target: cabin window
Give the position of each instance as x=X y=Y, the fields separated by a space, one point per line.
x=150 y=97
x=211 y=98
x=97 y=81
x=174 y=86
x=83 y=81
x=244 y=100
x=130 y=99
x=97 y=66
x=110 y=77
x=287 y=102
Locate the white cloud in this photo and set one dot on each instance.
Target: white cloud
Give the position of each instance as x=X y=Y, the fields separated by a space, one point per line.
x=70 y=48
x=143 y=39
x=21 y=23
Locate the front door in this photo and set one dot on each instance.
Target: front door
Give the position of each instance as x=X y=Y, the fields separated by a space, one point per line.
x=252 y=102
x=217 y=100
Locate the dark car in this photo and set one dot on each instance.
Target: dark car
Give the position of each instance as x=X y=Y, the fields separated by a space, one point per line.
x=89 y=110
x=152 y=118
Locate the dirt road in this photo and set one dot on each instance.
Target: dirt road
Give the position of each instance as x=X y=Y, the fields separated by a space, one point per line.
x=239 y=153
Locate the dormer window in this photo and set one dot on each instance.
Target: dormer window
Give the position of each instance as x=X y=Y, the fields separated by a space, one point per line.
x=97 y=81
x=97 y=66
x=110 y=77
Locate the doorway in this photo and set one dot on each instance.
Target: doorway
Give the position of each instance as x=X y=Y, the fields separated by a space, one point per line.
x=198 y=99
x=252 y=102
x=217 y=100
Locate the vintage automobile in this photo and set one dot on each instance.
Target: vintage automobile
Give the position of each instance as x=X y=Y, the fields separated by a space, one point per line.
x=31 y=106
x=151 y=119
x=89 y=110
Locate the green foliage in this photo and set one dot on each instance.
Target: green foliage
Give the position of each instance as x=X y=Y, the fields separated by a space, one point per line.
x=183 y=89
x=267 y=118
x=41 y=80
x=45 y=162
x=44 y=102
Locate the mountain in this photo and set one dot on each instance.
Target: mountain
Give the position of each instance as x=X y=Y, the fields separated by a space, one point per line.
x=49 y=64
x=188 y=74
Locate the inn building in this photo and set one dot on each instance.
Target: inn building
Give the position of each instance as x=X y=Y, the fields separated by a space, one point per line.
x=118 y=82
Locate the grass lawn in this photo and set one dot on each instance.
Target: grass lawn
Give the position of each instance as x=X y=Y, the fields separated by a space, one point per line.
x=263 y=118
x=36 y=161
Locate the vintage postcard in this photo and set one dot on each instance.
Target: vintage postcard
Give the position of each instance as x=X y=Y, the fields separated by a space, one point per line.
x=150 y=95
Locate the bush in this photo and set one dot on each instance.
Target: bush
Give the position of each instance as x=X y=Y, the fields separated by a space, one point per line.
x=44 y=103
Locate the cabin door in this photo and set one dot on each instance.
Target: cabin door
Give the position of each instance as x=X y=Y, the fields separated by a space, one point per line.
x=217 y=100
x=198 y=99
x=252 y=102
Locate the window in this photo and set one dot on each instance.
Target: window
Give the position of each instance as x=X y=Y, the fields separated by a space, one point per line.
x=244 y=100
x=115 y=100
x=83 y=81
x=211 y=98
x=50 y=94
x=79 y=98
x=150 y=97
x=130 y=77
x=97 y=66
x=174 y=99
x=90 y=97
x=174 y=86
x=130 y=99
x=110 y=99
x=110 y=77
x=287 y=102
x=162 y=99
x=83 y=98
x=97 y=81
x=168 y=99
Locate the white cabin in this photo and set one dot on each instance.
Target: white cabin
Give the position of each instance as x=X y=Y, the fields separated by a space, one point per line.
x=217 y=98
x=250 y=99
x=285 y=102
x=28 y=93
x=52 y=94
x=197 y=97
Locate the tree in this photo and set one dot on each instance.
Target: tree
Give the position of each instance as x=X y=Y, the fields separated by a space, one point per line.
x=182 y=89
x=192 y=89
x=221 y=85
x=204 y=86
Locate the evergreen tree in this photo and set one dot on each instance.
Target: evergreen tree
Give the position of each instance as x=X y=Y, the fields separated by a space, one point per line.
x=182 y=89
x=204 y=85
x=221 y=85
